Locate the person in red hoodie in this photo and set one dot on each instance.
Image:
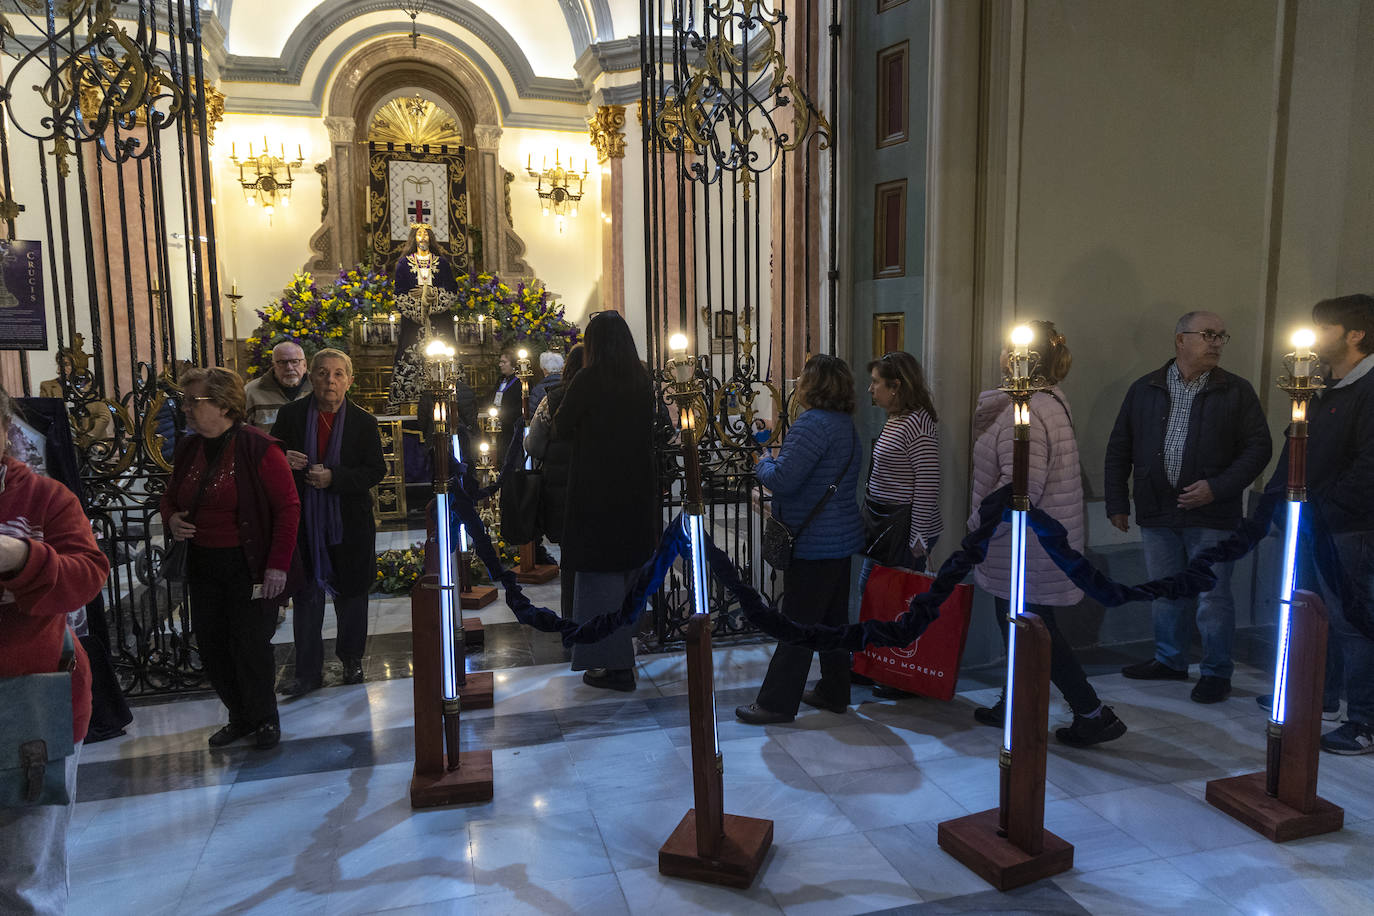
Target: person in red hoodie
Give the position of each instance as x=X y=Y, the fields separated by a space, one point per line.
x=49 y=565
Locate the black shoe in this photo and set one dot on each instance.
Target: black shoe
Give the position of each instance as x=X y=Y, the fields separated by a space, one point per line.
x=1211 y=689
x=862 y=680
x=268 y=737
x=229 y=734
x=884 y=692
x=814 y=699
x=1089 y=730
x=1154 y=670
x=353 y=670
x=754 y=714
x=994 y=715
x=299 y=687
x=622 y=679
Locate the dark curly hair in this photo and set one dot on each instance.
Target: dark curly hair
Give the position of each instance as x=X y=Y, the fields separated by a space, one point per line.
x=826 y=384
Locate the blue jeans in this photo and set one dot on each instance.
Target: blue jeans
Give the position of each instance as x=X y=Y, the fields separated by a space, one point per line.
x=1168 y=551
x=1355 y=554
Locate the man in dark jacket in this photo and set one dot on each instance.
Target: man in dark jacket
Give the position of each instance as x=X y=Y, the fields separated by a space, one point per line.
x=1190 y=437
x=1338 y=527
x=335 y=451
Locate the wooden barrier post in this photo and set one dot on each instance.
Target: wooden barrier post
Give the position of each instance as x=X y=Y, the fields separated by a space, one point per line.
x=1008 y=846
x=1294 y=810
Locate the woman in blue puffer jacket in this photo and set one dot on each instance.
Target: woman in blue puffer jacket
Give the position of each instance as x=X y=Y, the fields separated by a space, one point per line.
x=821 y=448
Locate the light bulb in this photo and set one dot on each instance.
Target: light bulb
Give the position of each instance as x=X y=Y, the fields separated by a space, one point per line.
x=286 y=201
x=1021 y=336
x=1304 y=338
x=492 y=411
x=574 y=210
x=678 y=342
x=436 y=348
x=484 y=448
x=522 y=354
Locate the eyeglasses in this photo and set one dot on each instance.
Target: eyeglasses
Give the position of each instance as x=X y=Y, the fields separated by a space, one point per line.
x=198 y=398
x=287 y=362
x=1211 y=336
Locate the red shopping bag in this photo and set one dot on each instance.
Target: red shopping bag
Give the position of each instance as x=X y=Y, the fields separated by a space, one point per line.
x=930 y=665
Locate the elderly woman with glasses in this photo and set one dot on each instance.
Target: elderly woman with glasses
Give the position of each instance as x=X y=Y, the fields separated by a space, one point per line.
x=231 y=495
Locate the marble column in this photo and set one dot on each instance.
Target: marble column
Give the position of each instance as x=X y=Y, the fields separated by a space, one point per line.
x=344 y=204
x=608 y=136
x=487 y=182
x=798 y=295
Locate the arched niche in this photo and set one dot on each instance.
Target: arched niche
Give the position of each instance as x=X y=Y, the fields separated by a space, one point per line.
x=365 y=81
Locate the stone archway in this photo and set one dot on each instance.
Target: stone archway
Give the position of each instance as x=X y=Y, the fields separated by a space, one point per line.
x=364 y=81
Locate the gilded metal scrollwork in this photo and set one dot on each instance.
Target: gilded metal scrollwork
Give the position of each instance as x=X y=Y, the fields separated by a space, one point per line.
x=728 y=113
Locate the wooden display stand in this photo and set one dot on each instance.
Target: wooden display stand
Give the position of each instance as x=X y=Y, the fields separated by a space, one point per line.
x=709 y=845
x=1008 y=846
x=1294 y=810
x=434 y=783
x=531 y=572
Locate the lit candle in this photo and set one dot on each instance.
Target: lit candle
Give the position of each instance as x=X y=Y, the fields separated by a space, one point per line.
x=681 y=363
x=1021 y=337
x=299 y=154
x=1303 y=339
x=233 y=149
x=522 y=354
x=438 y=413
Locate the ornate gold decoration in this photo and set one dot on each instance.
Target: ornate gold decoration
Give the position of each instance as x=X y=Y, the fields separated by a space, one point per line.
x=10 y=208
x=214 y=111
x=607 y=132
x=415 y=121
x=269 y=182
x=729 y=113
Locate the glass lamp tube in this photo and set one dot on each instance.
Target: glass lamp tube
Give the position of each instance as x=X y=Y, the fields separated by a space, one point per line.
x=441 y=509
x=1290 y=563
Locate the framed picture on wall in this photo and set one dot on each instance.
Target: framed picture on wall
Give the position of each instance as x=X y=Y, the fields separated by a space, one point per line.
x=889 y=333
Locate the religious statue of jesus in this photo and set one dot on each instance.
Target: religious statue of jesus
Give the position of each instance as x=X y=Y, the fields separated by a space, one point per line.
x=425 y=297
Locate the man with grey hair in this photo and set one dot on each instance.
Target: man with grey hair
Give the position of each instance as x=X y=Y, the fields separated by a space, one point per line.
x=552 y=364
x=286 y=382
x=1190 y=438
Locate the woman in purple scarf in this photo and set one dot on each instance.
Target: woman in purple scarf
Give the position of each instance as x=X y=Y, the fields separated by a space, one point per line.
x=335 y=454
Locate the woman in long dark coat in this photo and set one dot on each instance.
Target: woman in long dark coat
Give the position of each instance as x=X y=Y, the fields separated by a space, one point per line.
x=610 y=523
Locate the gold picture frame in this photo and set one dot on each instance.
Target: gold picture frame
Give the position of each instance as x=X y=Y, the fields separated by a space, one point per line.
x=889 y=333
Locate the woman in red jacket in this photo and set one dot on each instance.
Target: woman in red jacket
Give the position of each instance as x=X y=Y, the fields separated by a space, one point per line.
x=49 y=565
x=243 y=542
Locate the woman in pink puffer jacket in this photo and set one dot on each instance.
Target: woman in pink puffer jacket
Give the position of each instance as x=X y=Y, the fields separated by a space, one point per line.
x=1055 y=486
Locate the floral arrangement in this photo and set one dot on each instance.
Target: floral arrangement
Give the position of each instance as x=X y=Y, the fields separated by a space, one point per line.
x=366 y=291
x=509 y=553
x=317 y=318
x=523 y=314
x=399 y=570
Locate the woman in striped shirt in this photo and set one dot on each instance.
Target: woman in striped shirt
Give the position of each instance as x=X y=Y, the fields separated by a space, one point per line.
x=905 y=472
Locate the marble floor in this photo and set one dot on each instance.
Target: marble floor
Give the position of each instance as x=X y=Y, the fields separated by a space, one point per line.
x=588 y=785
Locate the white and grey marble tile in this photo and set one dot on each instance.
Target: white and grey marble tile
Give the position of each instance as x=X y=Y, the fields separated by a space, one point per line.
x=840 y=749
x=1151 y=886
x=514 y=853
x=834 y=875
x=889 y=796
x=1167 y=820
x=647 y=891
x=1264 y=877
x=913 y=850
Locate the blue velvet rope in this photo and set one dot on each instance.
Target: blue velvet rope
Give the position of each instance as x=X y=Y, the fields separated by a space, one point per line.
x=651 y=575
x=923 y=610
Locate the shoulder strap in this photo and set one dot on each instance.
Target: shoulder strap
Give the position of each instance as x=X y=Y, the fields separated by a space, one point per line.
x=1051 y=393
x=67 y=661
x=830 y=490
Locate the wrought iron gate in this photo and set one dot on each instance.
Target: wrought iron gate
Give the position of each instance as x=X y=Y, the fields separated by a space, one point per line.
x=736 y=123
x=104 y=148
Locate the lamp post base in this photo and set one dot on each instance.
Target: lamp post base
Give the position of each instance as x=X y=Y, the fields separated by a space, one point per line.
x=471 y=781
x=974 y=840
x=739 y=855
x=1245 y=799
x=474 y=637
x=475 y=598
x=479 y=690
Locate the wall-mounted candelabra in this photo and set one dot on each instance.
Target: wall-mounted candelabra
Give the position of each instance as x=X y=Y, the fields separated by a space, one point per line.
x=266 y=176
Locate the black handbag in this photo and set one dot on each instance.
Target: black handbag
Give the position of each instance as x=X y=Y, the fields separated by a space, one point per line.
x=779 y=541
x=176 y=551
x=887 y=532
x=36 y=734
x=521 y=492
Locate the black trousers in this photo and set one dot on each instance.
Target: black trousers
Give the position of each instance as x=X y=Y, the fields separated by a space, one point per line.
x=234 y=634
x=815 y=591
x=350 y=613
x=1065 y=671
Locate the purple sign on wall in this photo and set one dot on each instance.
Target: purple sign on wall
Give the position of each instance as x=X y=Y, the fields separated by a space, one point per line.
x=23 y=320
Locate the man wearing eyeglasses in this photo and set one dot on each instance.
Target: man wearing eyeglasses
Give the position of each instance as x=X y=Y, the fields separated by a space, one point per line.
x=1190 y=437
x=286 y=382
